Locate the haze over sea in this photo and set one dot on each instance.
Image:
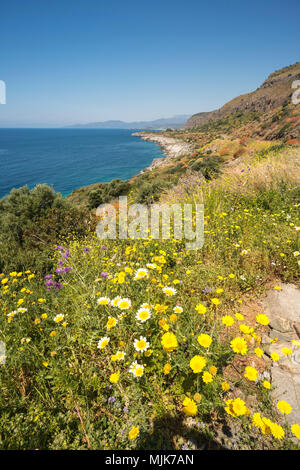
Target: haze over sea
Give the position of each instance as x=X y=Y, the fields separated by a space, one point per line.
x=70 y=158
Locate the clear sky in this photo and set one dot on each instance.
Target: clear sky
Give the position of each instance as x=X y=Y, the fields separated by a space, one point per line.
x=71 y=61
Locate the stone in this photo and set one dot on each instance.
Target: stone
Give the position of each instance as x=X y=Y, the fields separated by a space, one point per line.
x=281 y=324
x=287 y=387
x=284 y=303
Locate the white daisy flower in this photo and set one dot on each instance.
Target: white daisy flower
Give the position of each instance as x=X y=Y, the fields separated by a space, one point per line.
x=141 y=273
x=141 y=345
x=143 y=314
x=103 y=342
x=177 y=309
x=124 y=304
x=169 y=291
x=115 y=301
x=136 y=369
x=59 y=318
x=103 y=301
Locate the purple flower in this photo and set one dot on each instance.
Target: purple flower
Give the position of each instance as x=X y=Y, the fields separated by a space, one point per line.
x=48 y=276
x=58 y=285
x=86 y=249
x=59 y=247
x=104 y=274
x=66 y=253
x=103 y=248
x=49 y=283
x=59 y=270
x=111 y=400
x=206 y=290
x=67 y=268
x=60 y=262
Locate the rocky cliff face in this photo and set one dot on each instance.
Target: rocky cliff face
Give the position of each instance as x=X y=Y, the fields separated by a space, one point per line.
x=274 y=92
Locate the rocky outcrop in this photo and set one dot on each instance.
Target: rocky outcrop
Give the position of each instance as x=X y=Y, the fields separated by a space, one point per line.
x=274 y=92
x=283 y=309
x=173 y=148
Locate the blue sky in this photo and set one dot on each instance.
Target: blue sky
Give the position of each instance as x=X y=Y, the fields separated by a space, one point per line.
x=70 y=61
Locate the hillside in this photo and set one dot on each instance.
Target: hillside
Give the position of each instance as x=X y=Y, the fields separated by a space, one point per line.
x=174 y=122
x=275 y=91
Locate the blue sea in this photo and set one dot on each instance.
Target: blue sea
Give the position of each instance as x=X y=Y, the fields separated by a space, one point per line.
x=70 y=158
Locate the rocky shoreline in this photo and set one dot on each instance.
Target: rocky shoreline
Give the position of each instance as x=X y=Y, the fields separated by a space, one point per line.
x=172 y=148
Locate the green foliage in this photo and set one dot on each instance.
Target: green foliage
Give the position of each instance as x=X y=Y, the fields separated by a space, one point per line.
x=108 y=191
x=208 y=166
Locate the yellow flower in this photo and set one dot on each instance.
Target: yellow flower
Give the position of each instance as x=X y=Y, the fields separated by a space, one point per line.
x=169 y=342
x=284 y=407
x=225 y=386
x=275 y=357
x=266 y=384
x=114 y=377
x=197 y=397
x=53 y=333
x=197 y=364
x=231 y=276
x=239 y=345
x=111 y=322
x=262 y=319
x=227 y=320
x=207 y=377
x=277 y=431
x=286 y=351
x=215 y=301
x=189 y=407
x=133 y=433
x=201 y=309
x=167 y=368
x=295 y=428
x=173 y=318
x=239 y=316
x=204 y=340
x=40 y=301
x=258 y=351
x=236 y=407
x=213 y=370
x=251 y=373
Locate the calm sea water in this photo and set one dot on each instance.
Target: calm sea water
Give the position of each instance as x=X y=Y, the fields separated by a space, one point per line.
x=70 y=158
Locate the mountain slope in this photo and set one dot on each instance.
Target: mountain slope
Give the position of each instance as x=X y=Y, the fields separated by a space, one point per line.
x=275 y=91
x=174 y=122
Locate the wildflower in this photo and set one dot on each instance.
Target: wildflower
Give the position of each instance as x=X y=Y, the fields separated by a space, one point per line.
x=124 y=304
x=275 y=357
x=295 y=428
x=251 y=373
x=197 y=397
x=197 y=364
x=257 y=420
x=53 y=333
x=284 y=407
x=266 y=384
x=239 y=345
x=277 y=287
x=231 y=276
x=246 y=329
x=141 y=345
x=143 y=314
x=58 y=318
x=103 y=342
x=111 y=322
x=207 y=377
x=258 y=351
x=167 y=368
x=262 y=319
x=133 y=433
x=163 y=324
x=286 y=351
x=201 y=308
x=177 y=309
x=169 y=342
x=277 y=431
x=103 y=301
x=239 y=316
x=141 y=274
x=45 y=364
x=169 y=291
x=115 y=301
x=225 y=386
x=215 y=301
x=136 y=369
x=189 y=407
x=204 y=340
x=120 y=355
x=227 y=320
x=160 y=308
x=114 y=378
x=236 y=407
x=213 y=370
x=173 y=318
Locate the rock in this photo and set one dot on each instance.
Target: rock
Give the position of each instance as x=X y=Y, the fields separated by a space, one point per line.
x=281 y=324
x=281 y=337
x=284 y=303
x=288 y=389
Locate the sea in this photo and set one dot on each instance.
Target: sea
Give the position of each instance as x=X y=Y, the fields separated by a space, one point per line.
x=67 y=159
